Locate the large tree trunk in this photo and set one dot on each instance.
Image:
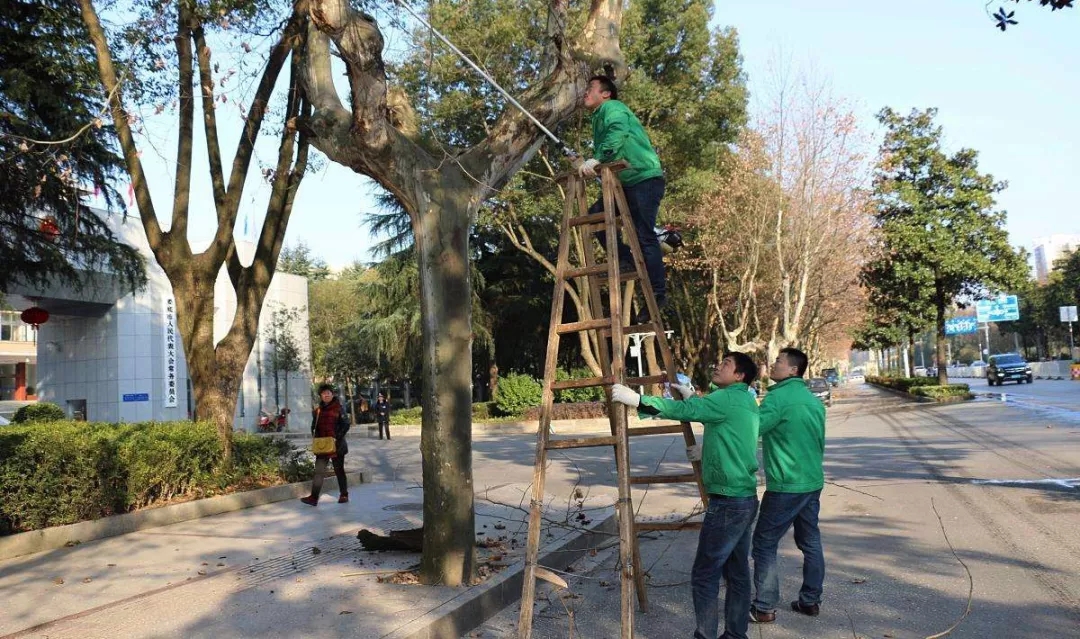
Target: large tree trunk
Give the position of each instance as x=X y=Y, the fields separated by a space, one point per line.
x=442 y=242
x=942 y=356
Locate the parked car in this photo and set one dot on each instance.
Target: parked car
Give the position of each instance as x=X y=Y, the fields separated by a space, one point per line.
x=856 y=378
x=832 y=376
x=1008 y=367
x=819 y=386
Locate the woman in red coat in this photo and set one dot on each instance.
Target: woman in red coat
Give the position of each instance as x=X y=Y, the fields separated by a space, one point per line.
x=329 y=420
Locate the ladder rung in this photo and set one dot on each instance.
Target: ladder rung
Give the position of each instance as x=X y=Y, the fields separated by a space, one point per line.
x=587 y=325
x=584 y=382
x=584 y=442
x=634 y=328
x=592 y=218
x=644 y=381
x=596 y=269
x=678 y=525
x=664 y=479
x=655 y=430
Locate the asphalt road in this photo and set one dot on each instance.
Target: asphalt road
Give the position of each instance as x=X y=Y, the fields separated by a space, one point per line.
x=1063 y=394
x=917 y=496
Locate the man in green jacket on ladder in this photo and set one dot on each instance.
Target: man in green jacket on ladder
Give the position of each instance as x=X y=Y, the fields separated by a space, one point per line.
x=793 y=447
x=618 y=135
x=729 y=470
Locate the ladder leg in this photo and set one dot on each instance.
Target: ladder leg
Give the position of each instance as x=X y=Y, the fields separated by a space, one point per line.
x=532 y=548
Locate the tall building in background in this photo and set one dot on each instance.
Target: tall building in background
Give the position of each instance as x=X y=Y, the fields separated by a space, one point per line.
x=1050 y=249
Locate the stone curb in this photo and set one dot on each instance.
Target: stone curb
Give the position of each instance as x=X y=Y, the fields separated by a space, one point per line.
x=473 y=607
x=59 y=536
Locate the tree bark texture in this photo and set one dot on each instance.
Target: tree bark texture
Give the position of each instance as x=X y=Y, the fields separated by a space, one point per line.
x=216 y=369
x=377 y=136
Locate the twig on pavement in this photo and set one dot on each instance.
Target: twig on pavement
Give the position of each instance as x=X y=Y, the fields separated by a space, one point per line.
x=832 y=483
x=971 y=580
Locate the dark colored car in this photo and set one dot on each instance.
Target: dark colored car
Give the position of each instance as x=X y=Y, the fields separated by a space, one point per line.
x=832 y=376
x=1008 y=367
x=819 y=386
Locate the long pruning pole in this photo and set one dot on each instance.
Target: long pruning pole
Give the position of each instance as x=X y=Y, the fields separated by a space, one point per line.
x=509 y=98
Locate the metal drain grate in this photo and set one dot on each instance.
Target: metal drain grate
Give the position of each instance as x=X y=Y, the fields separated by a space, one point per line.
x=329 y=549
x=408 y=507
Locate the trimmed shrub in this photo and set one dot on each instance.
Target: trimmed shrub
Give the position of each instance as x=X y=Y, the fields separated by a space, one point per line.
x=483 y=410
x=574 y=395
x=39 y=412
x=517 y=393
x=64 y=472
x=406 y=415
x=943 y=392
x=904 y=384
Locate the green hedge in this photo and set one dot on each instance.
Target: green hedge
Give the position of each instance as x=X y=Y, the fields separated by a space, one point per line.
x=402 y=416
x=39 y=412
x=943 y=392
x=902 y=383
x=64 y=472
x=517 y=393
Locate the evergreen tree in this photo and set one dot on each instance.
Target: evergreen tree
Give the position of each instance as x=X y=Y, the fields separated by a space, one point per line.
x=942 y=237
x=55 y=150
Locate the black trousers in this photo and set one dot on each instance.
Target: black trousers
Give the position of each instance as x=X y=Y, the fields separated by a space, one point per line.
x=320 y=474
x=384 y=425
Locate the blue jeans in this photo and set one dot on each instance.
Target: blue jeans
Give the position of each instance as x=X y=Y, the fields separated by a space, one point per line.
x=723 y=550
x=779 y=511
x=643 y=199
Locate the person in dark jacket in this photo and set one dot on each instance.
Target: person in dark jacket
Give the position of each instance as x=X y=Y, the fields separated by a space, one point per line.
x=329 y=420
x=382 y=415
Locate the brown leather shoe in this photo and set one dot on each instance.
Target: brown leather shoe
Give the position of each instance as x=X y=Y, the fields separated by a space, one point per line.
x=310 y=501
x=810 y=611
x=758 y=616
x=343 y=499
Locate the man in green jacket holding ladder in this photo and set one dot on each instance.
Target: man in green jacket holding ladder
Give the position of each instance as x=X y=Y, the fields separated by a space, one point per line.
x=793 y=446
x=729 y=470
x=618 y=135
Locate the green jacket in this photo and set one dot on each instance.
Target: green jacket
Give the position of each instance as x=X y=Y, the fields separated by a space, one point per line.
x=729 y=449
x=792 y=438
x=618 y=135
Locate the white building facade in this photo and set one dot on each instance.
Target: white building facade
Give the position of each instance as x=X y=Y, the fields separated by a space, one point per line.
x=1050 y=249
x=116 y=356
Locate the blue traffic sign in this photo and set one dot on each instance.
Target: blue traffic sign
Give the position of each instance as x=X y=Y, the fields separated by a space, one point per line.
x=961 y=326
x=137 y=397
x=1005 y=308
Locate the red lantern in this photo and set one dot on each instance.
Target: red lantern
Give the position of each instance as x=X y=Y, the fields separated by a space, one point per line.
x=49 y=228
x=35 y=316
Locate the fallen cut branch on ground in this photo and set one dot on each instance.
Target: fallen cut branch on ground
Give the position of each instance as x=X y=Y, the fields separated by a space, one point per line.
x=411 y=540
x=971 y=580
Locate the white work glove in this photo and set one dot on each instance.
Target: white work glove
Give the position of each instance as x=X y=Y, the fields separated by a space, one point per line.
x=624 y=395
x=588 y=168
x=693 y=453
x=683 y=390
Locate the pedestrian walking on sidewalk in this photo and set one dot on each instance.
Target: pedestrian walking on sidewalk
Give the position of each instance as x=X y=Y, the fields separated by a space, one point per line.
x=729 y=466
x=329 y=420
x=793 y=449
x=382 y=415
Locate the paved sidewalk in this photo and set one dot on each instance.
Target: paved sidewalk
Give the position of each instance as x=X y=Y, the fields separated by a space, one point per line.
x=271 y=571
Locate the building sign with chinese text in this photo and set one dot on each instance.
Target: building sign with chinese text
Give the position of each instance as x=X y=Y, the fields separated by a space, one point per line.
x=171 y=354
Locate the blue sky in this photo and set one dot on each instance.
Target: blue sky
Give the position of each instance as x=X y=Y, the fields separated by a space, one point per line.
x=1012 y=96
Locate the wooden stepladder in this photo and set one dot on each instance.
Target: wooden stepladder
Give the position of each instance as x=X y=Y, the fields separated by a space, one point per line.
x=609 y=332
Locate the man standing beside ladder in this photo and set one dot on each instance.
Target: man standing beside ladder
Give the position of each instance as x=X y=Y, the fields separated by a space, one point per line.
x=618 y=135
x=793 y=448
x=729 y=470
